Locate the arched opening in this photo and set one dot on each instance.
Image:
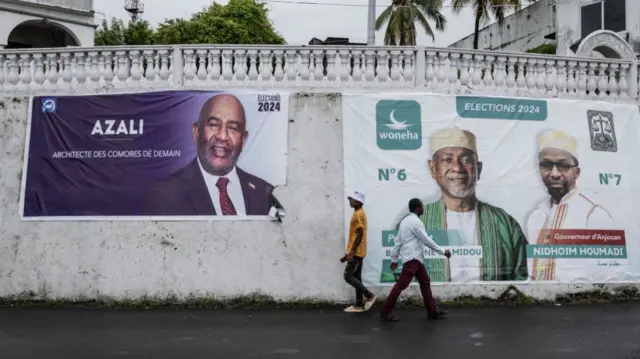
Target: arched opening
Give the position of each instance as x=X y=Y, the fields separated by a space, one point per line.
x=606 y=52
x=40 y=33
x=606 y=43
x=602 y=52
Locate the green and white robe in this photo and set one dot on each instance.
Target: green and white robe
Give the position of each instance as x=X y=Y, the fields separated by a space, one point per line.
x=504 y=245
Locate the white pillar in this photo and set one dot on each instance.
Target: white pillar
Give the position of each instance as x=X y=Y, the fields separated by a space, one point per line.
x=632 y=80
x=177 y=65
x=371 y=24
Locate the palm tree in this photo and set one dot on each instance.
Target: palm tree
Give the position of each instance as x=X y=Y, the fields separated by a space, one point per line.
x=483 y=10
x=402 y=15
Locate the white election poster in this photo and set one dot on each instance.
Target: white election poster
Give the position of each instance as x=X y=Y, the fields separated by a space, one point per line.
x=518 y=189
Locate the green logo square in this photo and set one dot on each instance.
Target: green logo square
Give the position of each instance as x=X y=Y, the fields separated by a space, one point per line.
x=388 y=238
x=398 y=125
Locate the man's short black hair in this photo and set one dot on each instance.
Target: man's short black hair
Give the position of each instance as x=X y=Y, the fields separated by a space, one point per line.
x=414 y=203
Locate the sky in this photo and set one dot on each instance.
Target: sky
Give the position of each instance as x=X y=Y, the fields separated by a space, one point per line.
x=298 y=21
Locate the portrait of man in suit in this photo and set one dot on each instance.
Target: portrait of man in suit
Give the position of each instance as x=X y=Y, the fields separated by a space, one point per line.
x=212 y=184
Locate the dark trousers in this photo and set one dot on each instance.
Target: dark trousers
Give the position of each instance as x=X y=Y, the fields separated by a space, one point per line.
x=353 y=276
x=410 y=270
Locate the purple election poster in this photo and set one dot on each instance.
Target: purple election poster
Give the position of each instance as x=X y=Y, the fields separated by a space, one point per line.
x=157 y=155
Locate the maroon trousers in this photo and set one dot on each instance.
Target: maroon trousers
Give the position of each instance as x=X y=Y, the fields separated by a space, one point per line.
x=411 y=269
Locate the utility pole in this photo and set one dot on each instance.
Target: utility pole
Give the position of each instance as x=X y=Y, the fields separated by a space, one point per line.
x=371 y=24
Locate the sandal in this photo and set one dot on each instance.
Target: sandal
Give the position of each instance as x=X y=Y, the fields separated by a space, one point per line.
x=389 y=318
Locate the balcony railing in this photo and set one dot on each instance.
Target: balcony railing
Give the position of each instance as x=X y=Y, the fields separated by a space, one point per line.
x=73 y=4
x=442 y=70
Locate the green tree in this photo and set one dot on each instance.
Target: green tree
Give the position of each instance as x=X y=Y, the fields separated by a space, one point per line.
x=138 y=33
x=483 y=11
x=109 y=35
x=117 y=33
x=402 y=15
x=207 y=28
x=237 y=22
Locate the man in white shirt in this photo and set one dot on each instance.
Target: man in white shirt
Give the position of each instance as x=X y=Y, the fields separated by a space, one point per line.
x=409 y=247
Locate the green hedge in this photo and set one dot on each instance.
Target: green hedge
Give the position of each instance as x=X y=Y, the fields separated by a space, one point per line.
x=549 y=49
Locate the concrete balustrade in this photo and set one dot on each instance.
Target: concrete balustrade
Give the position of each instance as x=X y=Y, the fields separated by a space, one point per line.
x=441 y=70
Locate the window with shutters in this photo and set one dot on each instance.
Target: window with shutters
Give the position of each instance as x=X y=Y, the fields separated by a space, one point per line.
x=615 y=15
x=606 y=14
x=590 y=19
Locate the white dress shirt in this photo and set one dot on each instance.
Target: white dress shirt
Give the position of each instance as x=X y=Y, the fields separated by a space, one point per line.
x=411 y=239
x=234 y=189
x=464 y=269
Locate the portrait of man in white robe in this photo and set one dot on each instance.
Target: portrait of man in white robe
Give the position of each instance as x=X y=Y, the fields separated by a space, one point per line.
x=566 y=207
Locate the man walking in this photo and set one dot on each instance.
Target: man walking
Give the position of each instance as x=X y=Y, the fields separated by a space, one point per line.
x=409 y=247
x=356 y=251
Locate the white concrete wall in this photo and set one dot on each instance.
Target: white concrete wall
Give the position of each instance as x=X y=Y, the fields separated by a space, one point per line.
x=73 y=4
x=79 y=23
x=521 y=31
x=569 y=23
x=633 y=19
x=568 y=26
x=295 y=259
x=526 y=29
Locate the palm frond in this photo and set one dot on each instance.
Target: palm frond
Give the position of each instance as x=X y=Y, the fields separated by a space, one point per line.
x=459 y=5
x=499 y=13
x=435 y=15
x=394 y=26
x=405 y=26
x=409 y=30
x=482 y=10
x=384 y=17
x=401 y=17
x=436 y=4
x=422 y=20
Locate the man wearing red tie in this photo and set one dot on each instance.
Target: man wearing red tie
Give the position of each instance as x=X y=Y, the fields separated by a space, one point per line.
x=212 y=184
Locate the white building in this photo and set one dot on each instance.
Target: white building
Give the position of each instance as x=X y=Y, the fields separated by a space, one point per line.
x=46 y=23
x=564 y=22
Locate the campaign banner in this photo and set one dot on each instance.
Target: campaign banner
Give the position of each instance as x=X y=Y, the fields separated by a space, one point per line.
x=518 y=189
x=168 y=155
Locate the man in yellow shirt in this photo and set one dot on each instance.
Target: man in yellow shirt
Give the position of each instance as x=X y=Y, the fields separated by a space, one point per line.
x=356 y=251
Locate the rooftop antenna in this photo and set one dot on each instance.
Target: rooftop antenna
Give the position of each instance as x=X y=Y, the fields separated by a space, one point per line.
x=135 y=8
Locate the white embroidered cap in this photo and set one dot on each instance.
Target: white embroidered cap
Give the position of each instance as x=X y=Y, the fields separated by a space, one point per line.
x=452 y=137
x=357 y=195
x=558 y=139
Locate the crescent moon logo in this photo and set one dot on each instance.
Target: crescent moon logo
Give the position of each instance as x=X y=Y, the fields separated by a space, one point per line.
x=395 y=124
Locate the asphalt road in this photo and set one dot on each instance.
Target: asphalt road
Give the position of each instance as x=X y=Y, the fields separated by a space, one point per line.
x=586 y=332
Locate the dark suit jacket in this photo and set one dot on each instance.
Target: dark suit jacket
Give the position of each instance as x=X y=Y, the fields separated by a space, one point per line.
x=184 y=193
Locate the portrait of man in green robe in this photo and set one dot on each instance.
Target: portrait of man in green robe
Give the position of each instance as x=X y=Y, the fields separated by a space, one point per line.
x=459 y=218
